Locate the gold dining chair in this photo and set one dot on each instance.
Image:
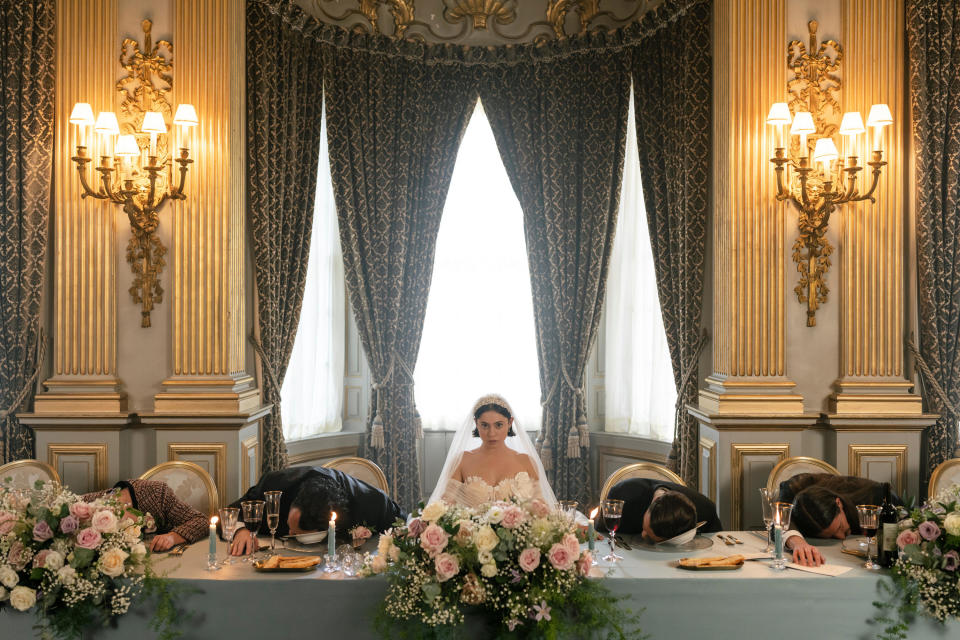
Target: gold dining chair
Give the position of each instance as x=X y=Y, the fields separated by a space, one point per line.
x=24 y=473
x=361 y=469
x=639 y=470
x=789 y=467
x=189 y=481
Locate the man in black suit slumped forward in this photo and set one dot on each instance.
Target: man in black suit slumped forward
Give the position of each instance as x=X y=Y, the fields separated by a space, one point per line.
x=309 y=496
x=662 y=510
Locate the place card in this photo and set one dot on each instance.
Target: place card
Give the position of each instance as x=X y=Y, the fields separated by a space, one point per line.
x=832 y=570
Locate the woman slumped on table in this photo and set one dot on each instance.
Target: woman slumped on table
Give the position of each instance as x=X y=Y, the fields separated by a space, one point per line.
x=825 y=505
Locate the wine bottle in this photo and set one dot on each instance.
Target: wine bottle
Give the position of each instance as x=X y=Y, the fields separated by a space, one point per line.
x=887 y=550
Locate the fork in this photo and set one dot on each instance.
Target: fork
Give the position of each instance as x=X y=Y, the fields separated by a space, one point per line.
x=725 y=540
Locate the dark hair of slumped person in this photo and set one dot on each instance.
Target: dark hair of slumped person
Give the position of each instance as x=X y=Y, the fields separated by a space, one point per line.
x=672 y=514
x=490 y=406
x=316 y=499
x=815 y=499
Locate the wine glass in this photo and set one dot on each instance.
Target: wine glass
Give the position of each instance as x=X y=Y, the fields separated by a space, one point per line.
x=869 y=516
x=767 y=498
x=612 y=510
x=252 y=515
x=781 y=518
x=228 y=524
x=569 y=509
x=273 y=514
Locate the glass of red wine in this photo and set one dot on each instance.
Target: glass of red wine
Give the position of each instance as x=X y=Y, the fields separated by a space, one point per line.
x=612 y=510
x=869 y=516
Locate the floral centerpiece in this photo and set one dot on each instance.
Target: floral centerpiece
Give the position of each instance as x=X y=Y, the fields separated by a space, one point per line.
x=75 y=563
x=925 y=575
x=518 y=562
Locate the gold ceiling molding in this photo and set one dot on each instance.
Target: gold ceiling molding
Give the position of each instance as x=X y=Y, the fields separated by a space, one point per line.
x=481 y=11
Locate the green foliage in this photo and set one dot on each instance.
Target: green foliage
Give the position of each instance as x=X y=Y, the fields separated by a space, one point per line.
x=898 y=607
x=167 y=619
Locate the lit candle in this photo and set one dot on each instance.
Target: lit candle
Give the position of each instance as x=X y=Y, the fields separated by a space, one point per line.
x=213 y=536
x=777 y=536
x=332 y=535
x=591 y=533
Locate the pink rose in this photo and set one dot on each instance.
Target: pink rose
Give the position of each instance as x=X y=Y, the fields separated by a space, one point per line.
x=539 y=508
x=41 y=558
x=42 y=531
x=415 y=528
x=570 y=542
x=360 y=532
x=584 y=563
x=561 y=558
x=513 y=517
x=6 y=516
x=88 y=538
x=6 y=526
x=434 y=539
x=446 y=565
x=82 y=510
x=529 y=559
x=18 y=555
x=907 y=536
x=69 y=524
x=465 y=532
x=104 y=521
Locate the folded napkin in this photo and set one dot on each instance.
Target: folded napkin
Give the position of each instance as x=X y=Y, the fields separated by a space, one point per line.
x=831 y=570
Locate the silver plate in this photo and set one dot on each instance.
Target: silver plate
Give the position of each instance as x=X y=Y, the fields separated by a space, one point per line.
x=700 y=542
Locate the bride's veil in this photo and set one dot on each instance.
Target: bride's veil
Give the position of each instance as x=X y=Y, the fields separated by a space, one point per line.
x=465 y=441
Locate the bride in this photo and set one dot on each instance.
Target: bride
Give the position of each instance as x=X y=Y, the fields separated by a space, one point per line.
x=491 y=458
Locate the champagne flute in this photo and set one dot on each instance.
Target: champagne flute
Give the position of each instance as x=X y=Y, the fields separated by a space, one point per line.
x=612 y=510
x=869 y=517
x=766 y=503
x=273 y=515
x=252 y=515
x=228 y=524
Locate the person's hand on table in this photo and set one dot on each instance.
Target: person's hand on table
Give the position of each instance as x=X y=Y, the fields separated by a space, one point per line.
x=804 y=553
x=244 y=542
x=165 y=541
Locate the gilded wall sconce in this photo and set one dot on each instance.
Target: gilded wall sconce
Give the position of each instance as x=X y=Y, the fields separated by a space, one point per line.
x=818 y=185
x=136 y=168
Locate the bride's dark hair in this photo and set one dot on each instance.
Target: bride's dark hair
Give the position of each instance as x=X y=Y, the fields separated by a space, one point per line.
x=490 y=406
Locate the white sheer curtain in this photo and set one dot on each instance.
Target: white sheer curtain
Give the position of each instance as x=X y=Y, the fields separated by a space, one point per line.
x=478 y=334
x=312 y=394
x=640 y=393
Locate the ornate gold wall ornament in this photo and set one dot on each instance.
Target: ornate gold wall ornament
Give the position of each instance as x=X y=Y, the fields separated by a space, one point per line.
x=401 y=10
x=557 y=11
x=816 y=192
x=481 y=11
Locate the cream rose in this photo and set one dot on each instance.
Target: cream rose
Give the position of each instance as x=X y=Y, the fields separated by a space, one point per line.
x=104 y=521
x=4 y=594
x=8 y=577
x=951 y=523
x=486 y=538
x=446 y=565
x=485 y=557
x=22 y=598
x=488 y=570
x=67 y=575
x=54 y=561
x=132 y=533
x=433 y=511
x=111 y=562
x=138 y=551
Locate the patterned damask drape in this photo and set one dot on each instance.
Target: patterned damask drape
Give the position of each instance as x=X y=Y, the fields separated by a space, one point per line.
x=561 y=127
x=27 y=82
x=394 y=127
x=284 y=103
x=933 y=36
x=672 y=88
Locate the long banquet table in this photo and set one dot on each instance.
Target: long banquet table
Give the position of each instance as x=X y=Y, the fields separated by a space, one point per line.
x=755 y=601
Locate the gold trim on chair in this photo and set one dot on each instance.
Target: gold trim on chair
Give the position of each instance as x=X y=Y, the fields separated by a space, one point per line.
x=30 y=462
x=813 y=462
x=363 y=462
x=634 y=471
x=934 y=477
x=212 y=495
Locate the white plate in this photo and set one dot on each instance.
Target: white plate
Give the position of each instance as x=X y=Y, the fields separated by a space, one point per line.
x=312 y=538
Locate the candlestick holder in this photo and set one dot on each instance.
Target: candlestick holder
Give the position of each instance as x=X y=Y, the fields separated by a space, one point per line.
x=781 y=521
x=212 y=564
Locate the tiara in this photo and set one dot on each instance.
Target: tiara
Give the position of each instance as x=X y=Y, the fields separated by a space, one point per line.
x=492 y=398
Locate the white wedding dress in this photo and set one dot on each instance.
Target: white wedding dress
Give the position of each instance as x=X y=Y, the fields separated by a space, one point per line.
x=475 y=490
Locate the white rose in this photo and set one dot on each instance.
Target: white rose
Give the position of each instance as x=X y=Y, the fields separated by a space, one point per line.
x=485 y=557
x=8 y=577
x=488 y=570
x=138 y=551
x=111 y=562
x=4 y=594
x=433 y=511
x=104 y=521
x=495 y=514
x=952 y=523
x=486 y=538
x=67 y=575
x=22 y=598
x=132 y=533
x=53 y=561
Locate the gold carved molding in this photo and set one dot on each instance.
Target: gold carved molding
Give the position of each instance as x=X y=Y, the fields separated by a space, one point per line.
x=99 y=452
x=175 y=451
x=480 y=11
x=738 y=453
x=857 y=452
x=708 y=449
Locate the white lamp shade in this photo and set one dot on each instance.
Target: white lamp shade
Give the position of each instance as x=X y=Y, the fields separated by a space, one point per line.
x=779 y=113
x=879 y=116
x=82 y=114
x=153 y=123
x=186 y=116
x=107 y=123
x=825 y=150
x=127 y=146
x=852 y=124
x=802 y=123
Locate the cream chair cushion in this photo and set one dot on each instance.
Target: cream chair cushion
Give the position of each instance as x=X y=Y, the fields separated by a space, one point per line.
x=789 y=467
x=24 y=474
x=639 y=470
x=946 y=474
x=361 y=469
x=189 y=481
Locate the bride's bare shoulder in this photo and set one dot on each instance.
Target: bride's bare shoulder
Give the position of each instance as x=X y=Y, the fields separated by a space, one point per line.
x=528 y=465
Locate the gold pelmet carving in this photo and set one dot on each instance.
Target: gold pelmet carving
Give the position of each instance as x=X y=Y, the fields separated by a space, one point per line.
x=481 y=11
x=557 y=11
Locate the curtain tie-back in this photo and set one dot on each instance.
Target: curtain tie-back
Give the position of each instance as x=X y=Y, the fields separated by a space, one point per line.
x=929 y=377
x=579 y=434
x=377 y=438
x=687 y=369
x=42 y=347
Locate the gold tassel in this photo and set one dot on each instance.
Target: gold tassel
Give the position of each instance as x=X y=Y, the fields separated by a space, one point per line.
x=546 y=455
x=376 y=434
x=573 y=443
x=584 y=430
